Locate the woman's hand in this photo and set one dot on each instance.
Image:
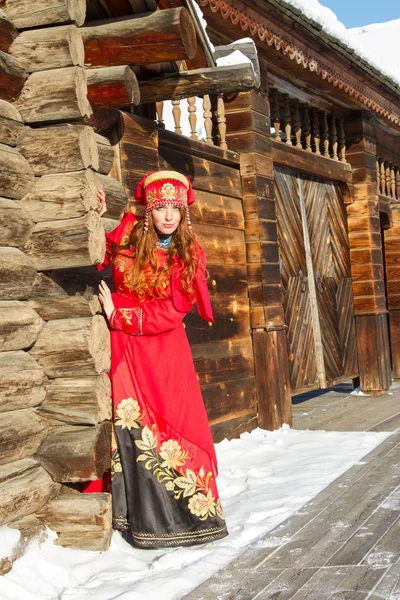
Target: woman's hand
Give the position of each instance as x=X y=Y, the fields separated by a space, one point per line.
x=101 y=196
x=106 y=299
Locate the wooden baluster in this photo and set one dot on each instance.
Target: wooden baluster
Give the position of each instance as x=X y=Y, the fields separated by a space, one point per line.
x=378 y=175
x=276 y=118
x=307 y=128
x=221 y=120
x=333 y=138
x=287 y=121
x=315 y=131
x=192 y=117
x=176 y=114
x=325 y=134
x=342 y=141
x=387 y=178
x=397 y=183
x=297 y=123
x=392 y=182
x=383 y=178
x=160 y=110
x=207 y=114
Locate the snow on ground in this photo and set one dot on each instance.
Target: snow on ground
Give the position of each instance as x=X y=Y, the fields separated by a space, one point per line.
x=265 y=477
x=378 y=44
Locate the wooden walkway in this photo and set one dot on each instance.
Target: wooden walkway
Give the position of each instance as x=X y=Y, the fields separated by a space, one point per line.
x=345 y=543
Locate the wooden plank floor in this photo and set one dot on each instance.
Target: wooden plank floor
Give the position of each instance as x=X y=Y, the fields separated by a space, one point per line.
x=345 y=543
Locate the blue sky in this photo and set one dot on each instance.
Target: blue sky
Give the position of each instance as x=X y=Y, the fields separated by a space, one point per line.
x=355 y=13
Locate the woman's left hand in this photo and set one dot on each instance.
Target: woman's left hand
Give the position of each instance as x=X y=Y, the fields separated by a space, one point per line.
x=106 y=299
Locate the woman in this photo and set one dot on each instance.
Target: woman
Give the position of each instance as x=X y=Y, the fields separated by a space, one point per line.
x=163 y=459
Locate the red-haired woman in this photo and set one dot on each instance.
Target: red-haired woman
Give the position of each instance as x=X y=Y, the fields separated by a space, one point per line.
x=163 y=460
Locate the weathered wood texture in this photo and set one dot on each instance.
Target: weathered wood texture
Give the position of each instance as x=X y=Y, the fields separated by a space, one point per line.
x=373 y=353
x=73 y=347
x=12 y=77
x=214 y=80
x=248 y=132
x=21 y=433
x=392 y=262
x=62 y=196
x=24 y=488
x=23 y=14
x=15 y=225
x=63 y=148
x=366 y=257
x=85 y=401
x=394 y=323
x=11 y=125
x=164 y=35
x=20 y=325
x=23 y=382
x=75 y=242
x=72 y=454
x=66 y=307
x=50 y=48
x=77 y=512
x=8 y=33
x=110 y=87
x=16 y=176
x=54 y=95
x=17 y=274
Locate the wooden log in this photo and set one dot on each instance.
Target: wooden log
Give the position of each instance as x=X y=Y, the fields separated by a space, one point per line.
x=117 y=198
x=230 y=399
x=12 y=77
x=8 y=33
x=84 y=401
x=11 y=125
x=112 y=87
x=24 y=488
x=15 y=225
x=62 y=196
x=214 y=80
x=106 y=154
x=19 y=325
x=73 y=347
x=60 y=149
x=77 y=512
x=72 y=454
x=68 y=307
x=67 y=243
x=50 y=48
x=24 y=14
x=164 y=35
x=223 y=360
x=21 y=433
x=45 y=287
x=23 y=382
x=16 y=176
x=55 y=95
x=85 y=540
x=248 y=48
x=17 y=274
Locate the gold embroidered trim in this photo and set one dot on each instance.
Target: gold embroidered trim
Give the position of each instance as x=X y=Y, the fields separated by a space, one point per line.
x=159 y=175
x=112 y=317
x=172 y=540
x=121 y=523
x=178 y=534
x=140 y=320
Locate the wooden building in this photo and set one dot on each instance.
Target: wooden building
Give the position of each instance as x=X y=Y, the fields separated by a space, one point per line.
x=297 y=185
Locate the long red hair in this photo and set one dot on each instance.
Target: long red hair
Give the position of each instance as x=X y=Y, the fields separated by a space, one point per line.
x=146 y=277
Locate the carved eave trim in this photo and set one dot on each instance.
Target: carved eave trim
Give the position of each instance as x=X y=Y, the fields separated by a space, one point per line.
x=262 y=31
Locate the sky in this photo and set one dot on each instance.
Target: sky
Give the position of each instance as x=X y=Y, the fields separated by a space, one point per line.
x=356 y=13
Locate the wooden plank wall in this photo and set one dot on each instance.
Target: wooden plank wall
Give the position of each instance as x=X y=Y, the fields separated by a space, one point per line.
x=366 y=257
x=223 y=352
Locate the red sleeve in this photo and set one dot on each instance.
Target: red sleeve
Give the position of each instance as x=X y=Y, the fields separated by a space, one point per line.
x=201 y=289
x=155 y=316
x=115 y=238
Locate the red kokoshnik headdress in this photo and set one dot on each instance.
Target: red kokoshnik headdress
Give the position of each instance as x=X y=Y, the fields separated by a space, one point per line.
x=163 y=188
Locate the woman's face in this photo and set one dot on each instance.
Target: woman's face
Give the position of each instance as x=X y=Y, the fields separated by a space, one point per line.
x=166 y=218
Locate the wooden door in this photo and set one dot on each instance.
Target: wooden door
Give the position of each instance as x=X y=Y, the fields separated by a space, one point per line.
x=326 y=336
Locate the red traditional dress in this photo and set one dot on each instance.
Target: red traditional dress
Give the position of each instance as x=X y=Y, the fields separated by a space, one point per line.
x=163 y=459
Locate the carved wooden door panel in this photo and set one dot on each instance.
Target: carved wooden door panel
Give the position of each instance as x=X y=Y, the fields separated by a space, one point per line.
x=322 y=332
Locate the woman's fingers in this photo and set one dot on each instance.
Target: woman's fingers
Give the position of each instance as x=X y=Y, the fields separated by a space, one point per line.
x=102 y=199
